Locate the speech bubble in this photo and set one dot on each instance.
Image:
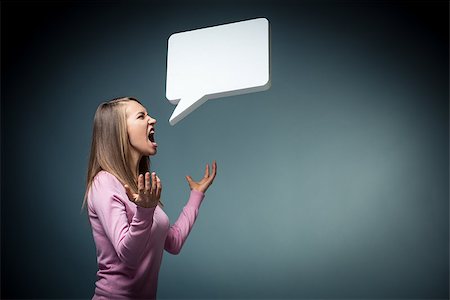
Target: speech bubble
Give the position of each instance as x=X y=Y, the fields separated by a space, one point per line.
x=214 y=62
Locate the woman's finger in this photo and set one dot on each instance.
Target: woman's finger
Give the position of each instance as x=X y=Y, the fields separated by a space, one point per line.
x=141 y=184
x=158 y=188
x=147 y=183
x=153 y=190
x=129 y=193
x=214 y=169
x=213 y=173
x=190 y=181
x=206 y=171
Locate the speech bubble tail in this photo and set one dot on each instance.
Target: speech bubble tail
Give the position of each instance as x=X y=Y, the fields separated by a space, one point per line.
x=185 y=106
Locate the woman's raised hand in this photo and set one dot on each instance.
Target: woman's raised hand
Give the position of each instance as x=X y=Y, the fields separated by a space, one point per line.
x=206 y=181
x=148 y=193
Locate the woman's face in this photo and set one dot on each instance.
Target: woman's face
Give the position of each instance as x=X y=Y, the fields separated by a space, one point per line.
x=140 y=127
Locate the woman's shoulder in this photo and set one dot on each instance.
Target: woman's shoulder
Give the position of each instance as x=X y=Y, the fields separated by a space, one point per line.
x=104 y=174
x=105 y=178
x=105 y=188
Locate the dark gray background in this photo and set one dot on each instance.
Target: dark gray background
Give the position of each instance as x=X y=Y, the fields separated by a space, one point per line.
x=332 y=184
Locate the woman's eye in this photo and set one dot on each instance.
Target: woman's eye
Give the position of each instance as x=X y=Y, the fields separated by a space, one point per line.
x=141 y=117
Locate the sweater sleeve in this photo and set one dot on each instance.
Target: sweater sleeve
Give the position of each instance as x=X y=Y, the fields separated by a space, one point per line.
x=128 y=239
x=179 y=232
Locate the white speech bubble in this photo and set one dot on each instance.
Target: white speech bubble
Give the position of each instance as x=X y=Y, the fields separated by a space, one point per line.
x=218 y=61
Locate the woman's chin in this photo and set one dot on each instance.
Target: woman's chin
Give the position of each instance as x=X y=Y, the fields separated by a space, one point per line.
x=152 y=152
x=152 y=149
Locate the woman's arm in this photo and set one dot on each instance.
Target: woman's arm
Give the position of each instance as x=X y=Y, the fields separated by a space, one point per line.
x=128 y=239
x=180 y=230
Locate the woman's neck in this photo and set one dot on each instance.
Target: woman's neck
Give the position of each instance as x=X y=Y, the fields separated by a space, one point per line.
x=134 y=163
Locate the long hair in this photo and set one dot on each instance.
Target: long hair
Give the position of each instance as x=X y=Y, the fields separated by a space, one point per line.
x=110 y=147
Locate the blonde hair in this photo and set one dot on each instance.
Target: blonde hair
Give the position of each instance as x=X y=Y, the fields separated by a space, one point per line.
x=110 y=147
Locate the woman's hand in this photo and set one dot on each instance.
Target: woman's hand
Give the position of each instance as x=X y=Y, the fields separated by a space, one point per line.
x=205 y=182
x=148 y=194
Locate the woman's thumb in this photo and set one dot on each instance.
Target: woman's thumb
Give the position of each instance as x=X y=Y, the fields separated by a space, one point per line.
x=129 y=193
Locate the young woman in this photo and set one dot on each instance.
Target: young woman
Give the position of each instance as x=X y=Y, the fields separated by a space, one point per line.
x=129 y=227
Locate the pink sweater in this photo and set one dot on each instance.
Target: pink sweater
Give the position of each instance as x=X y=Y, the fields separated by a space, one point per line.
x=130 y=239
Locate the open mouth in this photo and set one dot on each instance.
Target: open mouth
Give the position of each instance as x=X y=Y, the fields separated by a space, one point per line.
x=151 y=136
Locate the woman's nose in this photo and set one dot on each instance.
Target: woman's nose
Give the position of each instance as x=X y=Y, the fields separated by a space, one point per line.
x=151 y=120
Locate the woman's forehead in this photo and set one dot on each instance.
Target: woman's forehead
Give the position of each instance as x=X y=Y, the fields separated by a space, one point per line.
x=133 y=107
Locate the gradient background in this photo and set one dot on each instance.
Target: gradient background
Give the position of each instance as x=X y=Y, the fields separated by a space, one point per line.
x=332 y=184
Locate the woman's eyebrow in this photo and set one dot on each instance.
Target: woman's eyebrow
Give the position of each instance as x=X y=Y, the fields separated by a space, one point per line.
x=140 y=112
